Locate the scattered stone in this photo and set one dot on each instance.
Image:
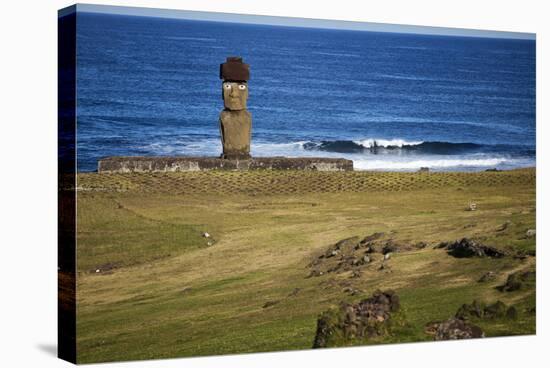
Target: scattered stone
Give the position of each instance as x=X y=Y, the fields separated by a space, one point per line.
x=206 y=235
x=355 y=274
x=209 y=243
x=431 y=328
x=518 y=280
x=521 y=256
x=270 y=303
x=495 y=310
x=387 y=256
x=466 y=248
x=367 y=319
x=457 y=329
x=489 y=276
x=352 y=254
x=390 y=247
x=530 y=233
x=472 y=206
x=479 y=310
x=351 y=291
x=315 y=273
x=105 y=268
x=294 y=292
x=343 y=246
x=470 y=310
x=504 y=226
x=421 y=245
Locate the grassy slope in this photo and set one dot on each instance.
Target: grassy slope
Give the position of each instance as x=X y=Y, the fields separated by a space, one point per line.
x=172 y=295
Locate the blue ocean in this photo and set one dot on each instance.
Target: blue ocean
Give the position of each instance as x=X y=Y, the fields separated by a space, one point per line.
x=387 y=101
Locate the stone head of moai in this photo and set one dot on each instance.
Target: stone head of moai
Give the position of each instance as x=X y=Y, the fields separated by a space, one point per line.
x=235 y=75
x=235 y=120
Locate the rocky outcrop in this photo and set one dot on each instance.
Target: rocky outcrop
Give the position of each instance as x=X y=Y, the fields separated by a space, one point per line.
x=457 y=329
x=518 y=280
x=461 y=325
x=352 y=254
x=466 y=248
x=479 y=310
x=353 y=323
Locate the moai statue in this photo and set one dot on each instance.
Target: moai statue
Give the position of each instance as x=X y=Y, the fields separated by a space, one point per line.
x=235 y=120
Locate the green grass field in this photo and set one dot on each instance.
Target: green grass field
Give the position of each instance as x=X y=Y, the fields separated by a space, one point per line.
x=151 y=286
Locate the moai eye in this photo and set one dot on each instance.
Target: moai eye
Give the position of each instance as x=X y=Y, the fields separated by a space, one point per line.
x=227 y=86
x=242 y=86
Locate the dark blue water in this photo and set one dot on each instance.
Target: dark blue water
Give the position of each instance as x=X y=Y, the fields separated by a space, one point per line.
x=149 y=86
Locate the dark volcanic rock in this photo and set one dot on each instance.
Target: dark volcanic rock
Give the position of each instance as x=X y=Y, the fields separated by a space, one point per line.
x=270 y=303
x=478 y=310
x=518 y=280
x=389 y=247
x=367 y=319
x=461 y=327
x=466 y=248
x=504 y=226
x=495 y=310
x=345 y=246
x=421 y=245
x=457 y=329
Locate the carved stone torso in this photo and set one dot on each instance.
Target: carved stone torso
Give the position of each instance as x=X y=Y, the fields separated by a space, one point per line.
x=235 y=120
x=235 y=129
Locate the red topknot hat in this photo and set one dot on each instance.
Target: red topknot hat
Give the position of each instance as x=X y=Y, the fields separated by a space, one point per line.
x=234 y=69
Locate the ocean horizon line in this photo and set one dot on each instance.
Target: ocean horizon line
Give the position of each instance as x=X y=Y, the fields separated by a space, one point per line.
x=295 y=22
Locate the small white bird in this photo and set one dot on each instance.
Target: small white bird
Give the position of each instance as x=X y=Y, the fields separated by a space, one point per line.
x=206 y=235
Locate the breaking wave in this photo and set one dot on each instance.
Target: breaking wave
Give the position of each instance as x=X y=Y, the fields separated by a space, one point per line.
x=375 y=146
x=369 y=154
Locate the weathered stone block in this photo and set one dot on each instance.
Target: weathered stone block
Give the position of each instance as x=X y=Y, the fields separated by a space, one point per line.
x=178 y=164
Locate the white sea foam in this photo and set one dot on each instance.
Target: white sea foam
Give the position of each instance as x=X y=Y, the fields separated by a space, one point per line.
x=361 y=161
x=278 y=149
x=370 y=164
x=370 y=142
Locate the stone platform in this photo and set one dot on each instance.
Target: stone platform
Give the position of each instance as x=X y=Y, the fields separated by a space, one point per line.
x=182 y=163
